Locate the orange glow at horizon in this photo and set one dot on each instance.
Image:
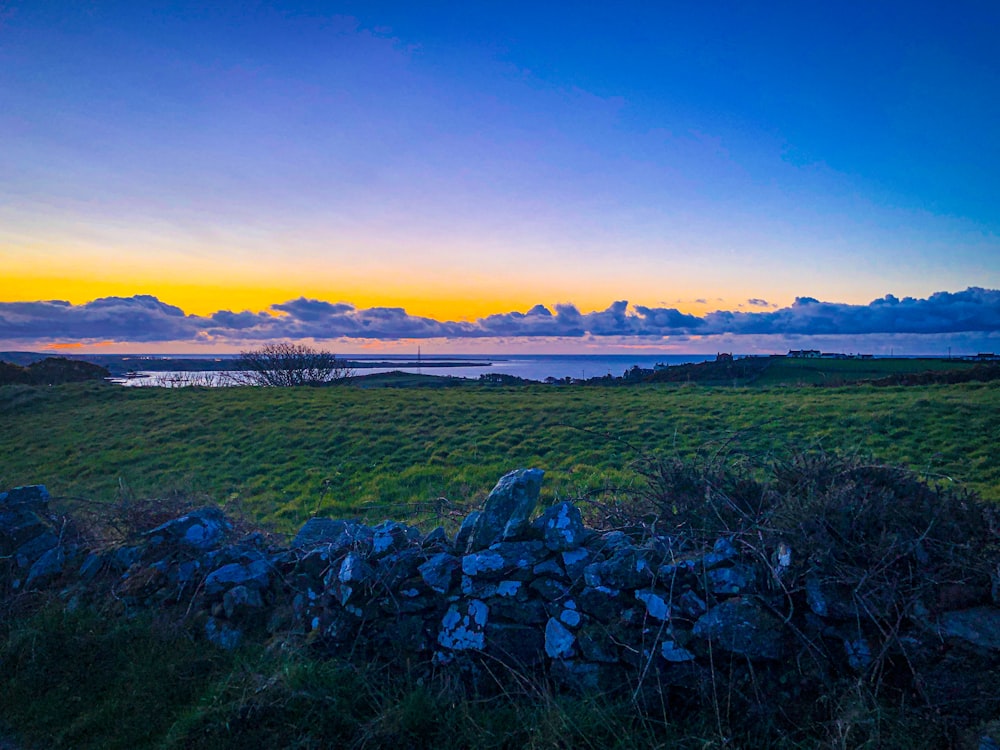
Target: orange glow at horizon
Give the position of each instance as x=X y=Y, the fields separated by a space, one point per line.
x=447 y=300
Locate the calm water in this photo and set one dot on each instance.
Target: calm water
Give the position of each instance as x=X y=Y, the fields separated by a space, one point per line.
x=528 y=366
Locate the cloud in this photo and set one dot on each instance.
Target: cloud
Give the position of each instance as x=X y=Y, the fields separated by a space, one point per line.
x=144 y=318
x=755 y=302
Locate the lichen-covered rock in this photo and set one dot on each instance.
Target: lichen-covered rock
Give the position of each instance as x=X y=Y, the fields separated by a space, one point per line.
x=390 y=536
x=656 y=603
x=508 y=508
x=463 y=626
x=600 y=602
x=741 y=626
x=559 y=640
x=561 y=527
x=626 y=569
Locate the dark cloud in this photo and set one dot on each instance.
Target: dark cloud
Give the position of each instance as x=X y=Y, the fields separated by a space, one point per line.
x=755 y=302
x=146 y=319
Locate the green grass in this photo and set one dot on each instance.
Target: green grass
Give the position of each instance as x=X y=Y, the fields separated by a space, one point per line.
x=286 y=454
x=790 y=370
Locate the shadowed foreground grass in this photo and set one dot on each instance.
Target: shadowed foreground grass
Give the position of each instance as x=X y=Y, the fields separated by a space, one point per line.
x=286 y=454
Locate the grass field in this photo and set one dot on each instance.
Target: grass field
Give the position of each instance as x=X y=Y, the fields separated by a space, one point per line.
x=286 y=454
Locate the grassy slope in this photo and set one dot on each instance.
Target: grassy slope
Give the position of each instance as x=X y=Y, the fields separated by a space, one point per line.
x=287 y=454
x=825 y=371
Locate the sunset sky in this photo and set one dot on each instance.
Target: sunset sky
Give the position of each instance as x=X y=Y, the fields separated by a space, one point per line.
x=500 y=176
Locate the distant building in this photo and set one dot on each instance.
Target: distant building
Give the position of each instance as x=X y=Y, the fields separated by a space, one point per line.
x=805 y=353
x=723 y=357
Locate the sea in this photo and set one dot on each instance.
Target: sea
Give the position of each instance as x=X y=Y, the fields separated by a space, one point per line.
x=528 y=366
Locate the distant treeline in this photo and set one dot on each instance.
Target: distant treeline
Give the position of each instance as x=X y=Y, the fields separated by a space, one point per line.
x=50 y=371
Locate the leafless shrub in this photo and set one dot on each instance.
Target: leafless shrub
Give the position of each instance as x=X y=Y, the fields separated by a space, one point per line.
x=285 y=364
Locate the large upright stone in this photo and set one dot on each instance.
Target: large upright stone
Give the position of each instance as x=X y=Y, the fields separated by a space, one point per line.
x=508 y=508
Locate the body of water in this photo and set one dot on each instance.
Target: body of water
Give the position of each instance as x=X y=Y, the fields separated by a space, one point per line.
x=528 y=366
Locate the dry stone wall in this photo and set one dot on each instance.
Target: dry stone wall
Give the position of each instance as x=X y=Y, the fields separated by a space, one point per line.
x=533 y=591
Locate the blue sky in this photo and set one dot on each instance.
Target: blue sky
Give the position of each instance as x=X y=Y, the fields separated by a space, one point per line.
x=462 y=161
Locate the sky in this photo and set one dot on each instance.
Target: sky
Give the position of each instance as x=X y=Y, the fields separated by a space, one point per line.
x=487 y=176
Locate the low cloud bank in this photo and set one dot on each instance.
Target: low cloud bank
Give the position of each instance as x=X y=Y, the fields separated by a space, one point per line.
x=145 y=319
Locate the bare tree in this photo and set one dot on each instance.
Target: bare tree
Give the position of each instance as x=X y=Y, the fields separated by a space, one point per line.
x=283 y=365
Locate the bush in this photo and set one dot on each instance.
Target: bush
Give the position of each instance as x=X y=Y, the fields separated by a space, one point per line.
x=284 y=365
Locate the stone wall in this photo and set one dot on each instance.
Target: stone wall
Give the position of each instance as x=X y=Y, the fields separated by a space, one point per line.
x=536 y=591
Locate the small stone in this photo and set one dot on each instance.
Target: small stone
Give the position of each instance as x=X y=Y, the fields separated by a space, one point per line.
x=674 y=653
x=558 y=640
x=656 y=606
x=728 y=581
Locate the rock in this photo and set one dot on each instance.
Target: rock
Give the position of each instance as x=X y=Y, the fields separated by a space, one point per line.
x=34 y=496
x=559 y=641
x=691 y=605
x=626 y=569
x=728 y=581
x=979 y=626
x=463 y=626
x=517 y=646
x=830 y=600
x=34 y=548
x=502 y=559
x=437 y=540
x=240 y=601
x=201 y=530
x=675 y=654
x=50 y=565
x=722 y=552
x=464 y=535
x=222 y=634
x=657 y=606
x=596 y=645
x=90 y=567
x=508 y=508
x=742 y=627
x=390 y=536
x=550 y=589
x=560 y=527
x=599 y=602
x=575 y=561
x=255 y=574
x=441 y=572
x=318 y=531
x=531 y=612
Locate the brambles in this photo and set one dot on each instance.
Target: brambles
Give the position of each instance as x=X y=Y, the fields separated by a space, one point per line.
x=284 y=365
